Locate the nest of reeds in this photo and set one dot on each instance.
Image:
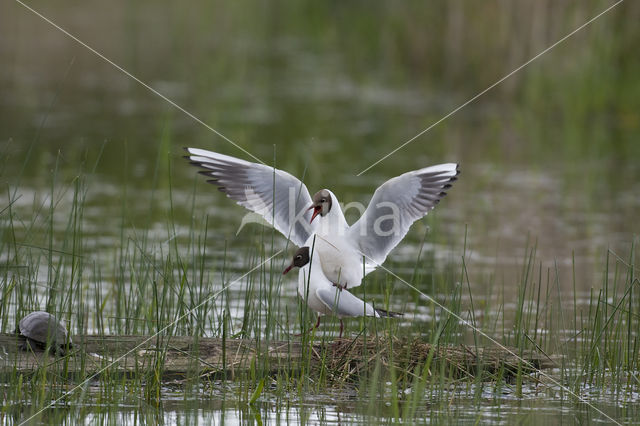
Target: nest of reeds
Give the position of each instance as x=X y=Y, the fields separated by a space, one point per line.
x=346 y=359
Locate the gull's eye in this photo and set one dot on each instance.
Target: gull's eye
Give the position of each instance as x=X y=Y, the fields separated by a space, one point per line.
x=323 y=200
x=299 y=257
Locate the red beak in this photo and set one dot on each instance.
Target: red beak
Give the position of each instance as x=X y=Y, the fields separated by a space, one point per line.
x=288 y=269
x=316 y=212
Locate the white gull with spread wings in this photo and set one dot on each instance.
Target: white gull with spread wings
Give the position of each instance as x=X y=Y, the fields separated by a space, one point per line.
x=347 y=253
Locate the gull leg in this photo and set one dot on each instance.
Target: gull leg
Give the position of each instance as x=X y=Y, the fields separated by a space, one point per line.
x=341 y=328
x=311 y=329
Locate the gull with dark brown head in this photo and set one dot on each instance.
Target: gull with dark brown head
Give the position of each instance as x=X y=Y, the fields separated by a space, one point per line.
x=322 y=296
x=347 y=253
x=350 y=252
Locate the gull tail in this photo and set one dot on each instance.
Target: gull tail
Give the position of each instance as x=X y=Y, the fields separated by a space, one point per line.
x=388 y=314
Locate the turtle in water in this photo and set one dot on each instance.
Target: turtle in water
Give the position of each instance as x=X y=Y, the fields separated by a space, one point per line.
x=41 y=327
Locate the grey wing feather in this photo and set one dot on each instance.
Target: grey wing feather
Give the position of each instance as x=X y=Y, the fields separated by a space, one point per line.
x=279 y=197
x=344 y=304
x=396 y=205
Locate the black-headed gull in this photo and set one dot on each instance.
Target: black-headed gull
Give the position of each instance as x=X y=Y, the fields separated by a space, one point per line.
x=347 y=253
x=350 y=252
x=325 y=298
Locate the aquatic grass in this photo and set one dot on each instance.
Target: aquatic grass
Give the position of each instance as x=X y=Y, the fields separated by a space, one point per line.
x=584 y=85
x=156 y=280
x=607 y=351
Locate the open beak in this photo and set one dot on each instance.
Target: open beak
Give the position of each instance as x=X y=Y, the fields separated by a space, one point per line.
x=287 y=270
x=316 y=212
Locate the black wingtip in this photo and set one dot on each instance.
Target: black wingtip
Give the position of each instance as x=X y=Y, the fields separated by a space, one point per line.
x=388 y=314
x=442 y=194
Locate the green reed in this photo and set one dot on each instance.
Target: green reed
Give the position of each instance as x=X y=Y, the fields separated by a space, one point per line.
x=148 y=284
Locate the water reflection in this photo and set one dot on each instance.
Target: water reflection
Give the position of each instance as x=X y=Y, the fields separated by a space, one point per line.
x=464 y=404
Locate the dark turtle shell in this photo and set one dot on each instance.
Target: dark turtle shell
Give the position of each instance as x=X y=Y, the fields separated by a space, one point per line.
x=39 y=327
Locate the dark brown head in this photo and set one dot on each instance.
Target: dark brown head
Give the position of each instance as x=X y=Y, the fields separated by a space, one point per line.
x=321 y=203
x=300 y=258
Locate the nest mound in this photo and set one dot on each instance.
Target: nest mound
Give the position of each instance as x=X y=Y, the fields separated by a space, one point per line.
x=347 y=358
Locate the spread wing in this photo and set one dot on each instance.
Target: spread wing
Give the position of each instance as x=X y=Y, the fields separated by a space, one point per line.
x=279 y=197
x=395 y=205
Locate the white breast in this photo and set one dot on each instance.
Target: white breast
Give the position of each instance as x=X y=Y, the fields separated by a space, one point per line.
x=341 y=262
x=308 y=286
